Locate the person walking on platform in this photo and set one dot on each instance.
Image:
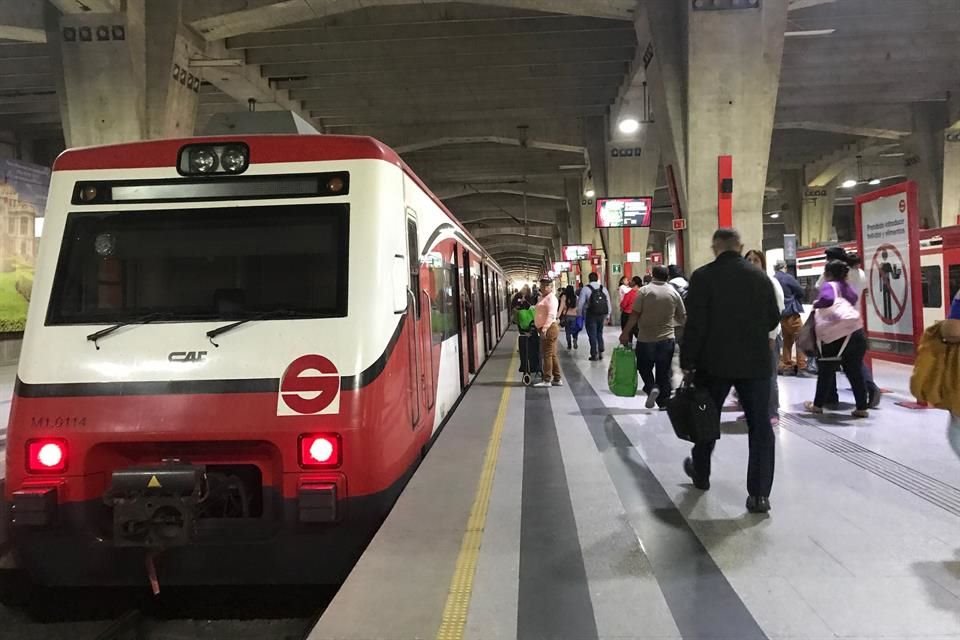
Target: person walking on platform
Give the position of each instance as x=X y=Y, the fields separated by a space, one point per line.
x=572 y=323
x=757 y=259
x=841 y=338
x=790 y=321
x=950 y=331
x=731 y=309
x=594 y=306
x=857 y=279
x=546 y=323
x=626 y=303
x=656 y=310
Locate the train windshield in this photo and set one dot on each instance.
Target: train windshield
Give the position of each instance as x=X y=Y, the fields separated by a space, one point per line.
x=202 y=264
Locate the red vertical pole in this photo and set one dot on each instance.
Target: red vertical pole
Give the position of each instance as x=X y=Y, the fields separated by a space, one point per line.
x=725 y=191
x=627 y=267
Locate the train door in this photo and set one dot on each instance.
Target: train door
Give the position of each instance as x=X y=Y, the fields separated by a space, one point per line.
x=496 y=303
x=485 y=306
x=458 y=302
x=413 y=318
x=470 y=325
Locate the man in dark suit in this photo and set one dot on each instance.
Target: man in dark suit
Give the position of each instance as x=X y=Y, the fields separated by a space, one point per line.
x=731 y=310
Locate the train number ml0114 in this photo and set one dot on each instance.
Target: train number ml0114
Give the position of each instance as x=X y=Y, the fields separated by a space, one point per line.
x=58 y=422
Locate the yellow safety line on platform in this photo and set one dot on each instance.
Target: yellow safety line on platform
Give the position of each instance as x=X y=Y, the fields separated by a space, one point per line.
x=461 y=586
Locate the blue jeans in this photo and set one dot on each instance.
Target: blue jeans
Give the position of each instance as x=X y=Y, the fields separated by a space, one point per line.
x=659 y=355
x=594 y=327
x=754 y=394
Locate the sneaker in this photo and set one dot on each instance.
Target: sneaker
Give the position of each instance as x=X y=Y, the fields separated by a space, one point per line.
x=861 y=413
x=812 y=408
x=575 y=345
x=544 y=384
x=593 y=358
x=652 y=398
x=558 y=383
x=758 y=504
x=688 y=468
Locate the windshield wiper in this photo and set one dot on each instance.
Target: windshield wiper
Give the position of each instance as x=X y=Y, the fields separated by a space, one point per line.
x=150 y=317
x=265 y=315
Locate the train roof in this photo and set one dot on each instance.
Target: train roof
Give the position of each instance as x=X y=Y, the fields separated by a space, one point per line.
x=264 y=149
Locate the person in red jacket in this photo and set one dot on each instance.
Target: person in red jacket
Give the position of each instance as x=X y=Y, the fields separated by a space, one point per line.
x=626 y=304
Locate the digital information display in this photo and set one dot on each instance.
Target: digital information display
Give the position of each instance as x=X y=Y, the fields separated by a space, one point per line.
x=624 y=212
x=575 y=252
x=561 y=267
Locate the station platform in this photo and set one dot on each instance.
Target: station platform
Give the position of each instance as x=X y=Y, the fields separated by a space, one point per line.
x=565 y=513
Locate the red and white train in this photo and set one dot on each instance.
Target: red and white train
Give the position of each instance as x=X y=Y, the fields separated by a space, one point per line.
x=939 y=270
x=237 y=351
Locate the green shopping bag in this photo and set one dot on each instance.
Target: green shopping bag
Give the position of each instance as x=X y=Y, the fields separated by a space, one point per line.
x=622 y=374
x=525 y=319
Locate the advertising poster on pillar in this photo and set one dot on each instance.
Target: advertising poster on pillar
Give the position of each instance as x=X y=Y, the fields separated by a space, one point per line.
x=888 y=232
x=23 y=198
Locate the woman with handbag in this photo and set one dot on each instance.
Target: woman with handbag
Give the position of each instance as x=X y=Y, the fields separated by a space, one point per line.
x=841 y=340
x=569 y=320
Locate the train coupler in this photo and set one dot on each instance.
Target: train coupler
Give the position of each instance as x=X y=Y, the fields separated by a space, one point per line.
x=155 y=506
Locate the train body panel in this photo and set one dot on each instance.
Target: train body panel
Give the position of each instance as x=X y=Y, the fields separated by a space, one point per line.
x=300 y=424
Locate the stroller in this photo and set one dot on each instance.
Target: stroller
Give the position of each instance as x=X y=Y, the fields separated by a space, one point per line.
x=529 y=346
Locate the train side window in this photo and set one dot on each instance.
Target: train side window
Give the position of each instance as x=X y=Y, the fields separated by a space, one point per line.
x=444 y=316
x=931 y=285
x=413 y=258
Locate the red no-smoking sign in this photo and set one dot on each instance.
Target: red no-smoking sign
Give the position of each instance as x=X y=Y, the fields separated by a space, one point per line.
x=889 y=284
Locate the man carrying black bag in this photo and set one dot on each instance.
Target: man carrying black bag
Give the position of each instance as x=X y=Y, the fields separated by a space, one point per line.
x=731 y=309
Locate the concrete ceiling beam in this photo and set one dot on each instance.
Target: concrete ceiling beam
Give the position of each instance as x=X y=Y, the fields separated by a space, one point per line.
x=363 y=120
x=437 y=30
x=87 y=6
x=246 y=82
x=830 y=127
x=278 y=14
x=828 y=168
x=22 y=21
x=442 y=50
x=335 y=80
x=510 y=192
x=350 y=105
x=455 y=88
x=336 y=64
x=498 y=140
x=543 y=231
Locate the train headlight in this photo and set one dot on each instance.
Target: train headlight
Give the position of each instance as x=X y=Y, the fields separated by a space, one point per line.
x=233 y=159
x=202 y=160
x=320 y=451
x=47 y=455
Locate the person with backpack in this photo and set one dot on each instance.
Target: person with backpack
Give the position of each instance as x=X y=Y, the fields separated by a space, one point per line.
x=594 y=307
x=842 y=341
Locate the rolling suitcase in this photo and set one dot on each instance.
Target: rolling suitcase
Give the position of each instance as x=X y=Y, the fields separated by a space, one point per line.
x=530 y=363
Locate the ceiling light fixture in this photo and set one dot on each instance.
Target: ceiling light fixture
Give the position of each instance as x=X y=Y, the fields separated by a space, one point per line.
x=849 y=184
x=810 y=33
x=589 y=193
x=629 y=125
x=874 y=182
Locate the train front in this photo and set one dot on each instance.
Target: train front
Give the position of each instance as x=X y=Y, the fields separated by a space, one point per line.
x=205 y=392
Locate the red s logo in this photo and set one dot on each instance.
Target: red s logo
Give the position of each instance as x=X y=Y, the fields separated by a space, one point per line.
x=309 y=386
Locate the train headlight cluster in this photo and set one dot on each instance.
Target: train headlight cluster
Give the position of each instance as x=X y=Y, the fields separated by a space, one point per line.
x=204 y=159
x=320 y=451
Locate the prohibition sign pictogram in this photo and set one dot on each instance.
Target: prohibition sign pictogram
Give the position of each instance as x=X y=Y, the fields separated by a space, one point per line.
x=887 y=268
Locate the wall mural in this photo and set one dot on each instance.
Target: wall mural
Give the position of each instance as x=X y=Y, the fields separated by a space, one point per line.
x=23 y=198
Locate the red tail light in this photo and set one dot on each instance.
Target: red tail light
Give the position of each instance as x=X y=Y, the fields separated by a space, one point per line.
x=47 y=456
x=321 y=450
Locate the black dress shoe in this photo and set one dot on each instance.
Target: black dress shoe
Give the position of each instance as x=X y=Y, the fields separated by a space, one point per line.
x=758 y=504
x=703 y=485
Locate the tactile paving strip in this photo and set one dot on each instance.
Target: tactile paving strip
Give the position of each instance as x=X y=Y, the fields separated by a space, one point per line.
x=923 y=486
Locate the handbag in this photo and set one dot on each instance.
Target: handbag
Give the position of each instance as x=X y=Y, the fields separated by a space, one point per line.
x=807 y=339
x=839 y=320
x=693 y=414
x=622 y=373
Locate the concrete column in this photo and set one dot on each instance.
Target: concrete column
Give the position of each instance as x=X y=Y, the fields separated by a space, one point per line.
x=791 y=196
x=124 y=76
x=951 y=177
x=715 y=85
x=925 y=162
x=816 y=218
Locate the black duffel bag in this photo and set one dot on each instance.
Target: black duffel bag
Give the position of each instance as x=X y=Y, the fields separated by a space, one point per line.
x=694 y=415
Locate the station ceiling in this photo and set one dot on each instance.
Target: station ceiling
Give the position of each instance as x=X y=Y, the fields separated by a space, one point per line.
x=461 y=87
